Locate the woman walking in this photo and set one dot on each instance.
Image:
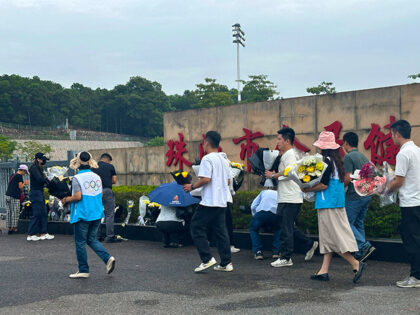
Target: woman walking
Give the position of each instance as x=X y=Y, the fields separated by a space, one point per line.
x=39 y=218
x=335 y=234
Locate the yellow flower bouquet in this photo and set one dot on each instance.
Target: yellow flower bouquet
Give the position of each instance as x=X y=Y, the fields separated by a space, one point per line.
x=308 y=171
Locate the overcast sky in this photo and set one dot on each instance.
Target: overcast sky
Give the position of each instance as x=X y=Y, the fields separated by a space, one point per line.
x=356 y=44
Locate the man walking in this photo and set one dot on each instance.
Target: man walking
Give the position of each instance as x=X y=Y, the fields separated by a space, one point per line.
x=356 y=206
x=214 y=176
x=407 y=180
x=106 y=172
x=289 y=202
x=13 y=200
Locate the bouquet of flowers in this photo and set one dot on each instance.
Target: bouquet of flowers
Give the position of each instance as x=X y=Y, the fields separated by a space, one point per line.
x=182 y=177
x=269 y=157
x=388 y=198
x=58 y=185
x=308 y=171
x=237 y=171
x=368 y=181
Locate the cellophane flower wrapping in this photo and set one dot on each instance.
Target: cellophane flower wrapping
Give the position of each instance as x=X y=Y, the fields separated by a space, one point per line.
x=369 y=181
x=388 y=198
x=269 y=157
x=308 y=171
x=58 y=186
x=56 y=171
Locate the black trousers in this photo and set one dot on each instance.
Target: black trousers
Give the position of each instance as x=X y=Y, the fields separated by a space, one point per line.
x=216 y=218
x=39 y=218
x=229 y=225
x=289 y=233
x=410 y=234
x=172 y=231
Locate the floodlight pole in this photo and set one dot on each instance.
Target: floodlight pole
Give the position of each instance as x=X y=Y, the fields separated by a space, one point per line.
x=238 y=34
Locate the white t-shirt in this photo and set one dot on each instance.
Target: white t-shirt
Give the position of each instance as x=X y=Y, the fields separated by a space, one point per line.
x=215 y=193
x=287 y=190
x=408 y=166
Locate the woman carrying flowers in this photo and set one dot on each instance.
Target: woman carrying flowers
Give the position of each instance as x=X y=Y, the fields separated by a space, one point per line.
x=335 y=234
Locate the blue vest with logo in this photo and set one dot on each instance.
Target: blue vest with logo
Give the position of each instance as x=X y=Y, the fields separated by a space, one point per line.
x=90 y=207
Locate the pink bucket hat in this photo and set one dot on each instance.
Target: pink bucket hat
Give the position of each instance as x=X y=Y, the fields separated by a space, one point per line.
x=23 y=167
x=326 y=140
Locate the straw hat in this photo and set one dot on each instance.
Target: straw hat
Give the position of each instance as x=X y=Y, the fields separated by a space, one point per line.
x=326 y=140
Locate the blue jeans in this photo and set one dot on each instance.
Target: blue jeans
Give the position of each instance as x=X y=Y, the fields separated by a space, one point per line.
x=86 y=232
x=258 y=220
x=356 y=212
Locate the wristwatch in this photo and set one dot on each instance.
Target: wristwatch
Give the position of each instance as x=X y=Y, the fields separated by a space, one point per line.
x=272 y=176
x=192 y=186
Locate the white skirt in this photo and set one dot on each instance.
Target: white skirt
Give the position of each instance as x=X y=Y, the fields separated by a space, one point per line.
x=335 y=234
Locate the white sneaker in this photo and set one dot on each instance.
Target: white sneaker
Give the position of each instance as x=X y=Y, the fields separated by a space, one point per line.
x=282 y=262
x=79 y=275
x=228 y=267
x=110 y=265
x=233 y=249
x=310 y=253
x=46 y=237
x=204 y=266
x=33 y=238
x=409 y=282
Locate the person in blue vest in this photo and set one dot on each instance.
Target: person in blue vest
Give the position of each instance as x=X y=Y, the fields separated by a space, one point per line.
x=86 y=213
x=335 y=234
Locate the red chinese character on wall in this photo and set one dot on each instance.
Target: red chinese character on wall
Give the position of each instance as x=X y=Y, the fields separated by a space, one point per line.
x=298 y=145
x=202 y=152
x=249 y=147
x=382 y=147
x=175 y=152
x=335 y=128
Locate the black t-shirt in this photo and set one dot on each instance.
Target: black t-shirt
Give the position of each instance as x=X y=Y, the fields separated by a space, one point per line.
x=13 y=187
x=37 y=178
x=105 y=172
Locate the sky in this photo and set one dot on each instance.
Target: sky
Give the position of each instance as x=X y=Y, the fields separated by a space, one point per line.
x=356 y=44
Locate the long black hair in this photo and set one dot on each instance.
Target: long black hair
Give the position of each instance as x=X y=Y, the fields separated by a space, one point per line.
x=335 y=157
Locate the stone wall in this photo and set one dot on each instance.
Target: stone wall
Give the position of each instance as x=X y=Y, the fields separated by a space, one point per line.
x=356 y=110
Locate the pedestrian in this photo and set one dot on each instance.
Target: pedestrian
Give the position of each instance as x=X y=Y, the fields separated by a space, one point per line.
x=356 y=205
x=173 y=229
x=109 y=177
x=86 y=212
x=335 y=234
x=214 y=177
x=407 y=181
x=289 y=202
x=39 y=218
x=13 y=198
x=264 y=209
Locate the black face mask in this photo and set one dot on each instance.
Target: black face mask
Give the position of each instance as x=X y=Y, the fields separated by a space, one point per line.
x=44 y=161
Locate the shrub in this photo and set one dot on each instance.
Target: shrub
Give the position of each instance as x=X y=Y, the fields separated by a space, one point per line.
x=380 y=222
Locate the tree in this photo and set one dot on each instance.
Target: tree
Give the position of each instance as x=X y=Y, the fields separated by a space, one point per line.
x=323 y=88
x=414 y=76
x=154 y=142
x=258 y=89
x=183 y=102
x=211 y=94
x=29 y=148
x=6 y=148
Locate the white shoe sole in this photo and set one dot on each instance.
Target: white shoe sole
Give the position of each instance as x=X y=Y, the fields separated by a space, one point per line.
x=212 y=262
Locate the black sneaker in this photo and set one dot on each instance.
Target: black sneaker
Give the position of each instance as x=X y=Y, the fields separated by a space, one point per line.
x=259 y=255
x=367 y=252
x=358 y=273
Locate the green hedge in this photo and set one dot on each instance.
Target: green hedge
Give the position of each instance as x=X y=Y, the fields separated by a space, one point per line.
x=380 y=222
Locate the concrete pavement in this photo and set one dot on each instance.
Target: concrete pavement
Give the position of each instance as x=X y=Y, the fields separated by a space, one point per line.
x=153 y=280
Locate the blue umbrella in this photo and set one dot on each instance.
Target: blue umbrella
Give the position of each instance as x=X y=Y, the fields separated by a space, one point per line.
x=172 y=195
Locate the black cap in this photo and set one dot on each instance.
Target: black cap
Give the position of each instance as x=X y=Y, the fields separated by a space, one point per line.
x=41 y=156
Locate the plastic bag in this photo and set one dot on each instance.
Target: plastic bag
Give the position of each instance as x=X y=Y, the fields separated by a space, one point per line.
x=269 y=157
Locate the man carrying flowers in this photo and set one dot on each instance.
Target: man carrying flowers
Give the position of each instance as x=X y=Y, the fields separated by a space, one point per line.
x=289 y=202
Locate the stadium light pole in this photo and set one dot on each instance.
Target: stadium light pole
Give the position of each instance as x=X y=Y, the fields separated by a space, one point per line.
x=239 y=39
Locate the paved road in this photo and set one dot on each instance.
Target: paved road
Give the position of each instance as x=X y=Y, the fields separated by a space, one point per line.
x=152 y=280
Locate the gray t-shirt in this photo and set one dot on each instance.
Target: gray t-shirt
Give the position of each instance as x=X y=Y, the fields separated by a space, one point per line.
x=353 y=160
x=75 y=186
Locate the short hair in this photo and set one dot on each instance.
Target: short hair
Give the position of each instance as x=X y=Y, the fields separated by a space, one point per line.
x=402 y=127
x=84 y=156
x=352 y=139
x=106 y=156
x=213 y=137
x=287 y=134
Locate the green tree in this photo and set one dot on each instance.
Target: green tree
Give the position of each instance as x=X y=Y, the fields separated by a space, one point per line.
x=154 y=142
x=414 y=76
x=258 y=89
x=211 y=94
x=29 y=148
x=6 y=148
x=323 y=88
x=183 y=102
